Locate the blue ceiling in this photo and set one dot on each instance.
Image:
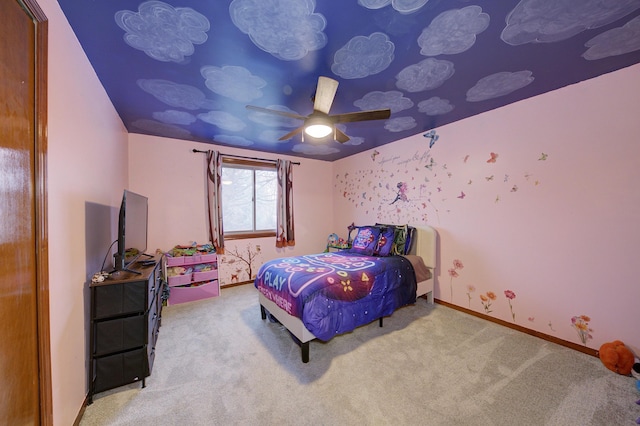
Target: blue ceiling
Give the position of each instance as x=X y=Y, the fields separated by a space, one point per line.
x=187 y=69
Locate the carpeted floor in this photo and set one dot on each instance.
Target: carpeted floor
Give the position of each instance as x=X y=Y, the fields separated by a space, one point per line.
x=218 y=363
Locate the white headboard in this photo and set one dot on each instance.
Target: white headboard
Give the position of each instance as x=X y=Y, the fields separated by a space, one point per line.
x=424 y=244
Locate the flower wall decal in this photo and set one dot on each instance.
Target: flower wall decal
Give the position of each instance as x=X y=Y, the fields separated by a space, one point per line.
x=581 y=324
x=510 y=295
x=470 y=289
x=453 y=273
x=486 y=299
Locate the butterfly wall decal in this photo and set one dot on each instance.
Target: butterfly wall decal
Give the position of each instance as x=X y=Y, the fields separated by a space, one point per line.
x=431 y=164
x=493 y=157
x=431 y=134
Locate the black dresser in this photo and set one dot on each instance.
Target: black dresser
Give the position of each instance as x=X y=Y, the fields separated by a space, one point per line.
x=125 y=319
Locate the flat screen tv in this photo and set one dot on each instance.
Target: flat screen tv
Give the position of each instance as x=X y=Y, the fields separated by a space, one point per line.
x=132 y=230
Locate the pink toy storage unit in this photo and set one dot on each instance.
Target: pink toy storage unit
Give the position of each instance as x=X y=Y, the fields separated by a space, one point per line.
x=192 y=277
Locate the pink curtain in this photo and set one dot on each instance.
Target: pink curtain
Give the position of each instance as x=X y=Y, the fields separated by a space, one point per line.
x=214 y=177
x=285 y=234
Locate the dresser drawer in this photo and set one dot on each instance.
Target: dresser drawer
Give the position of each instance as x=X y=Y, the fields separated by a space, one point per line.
x=117 y=370
x=120 y=299
x=119 y=334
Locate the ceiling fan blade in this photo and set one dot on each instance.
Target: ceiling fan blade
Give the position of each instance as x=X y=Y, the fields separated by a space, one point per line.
x=276 y=112
x=341 y=136
x=350 y=117
x=291 y=134
x=325 y=92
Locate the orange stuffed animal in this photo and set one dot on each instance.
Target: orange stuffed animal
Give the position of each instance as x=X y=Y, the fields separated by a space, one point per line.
x=617 y=357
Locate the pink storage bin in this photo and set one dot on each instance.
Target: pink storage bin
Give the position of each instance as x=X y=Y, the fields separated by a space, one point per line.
x=175 y=261
x=205 y=275
x=206 y=258
x=190 y=293
x=180 y=279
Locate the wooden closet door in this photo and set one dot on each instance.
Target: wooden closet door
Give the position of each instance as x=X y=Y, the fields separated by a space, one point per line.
x=21 y=401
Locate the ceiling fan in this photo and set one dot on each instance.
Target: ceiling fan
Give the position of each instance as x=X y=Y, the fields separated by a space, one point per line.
x=319 y=123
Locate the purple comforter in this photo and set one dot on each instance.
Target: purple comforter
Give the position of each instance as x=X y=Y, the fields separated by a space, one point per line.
x=333 y=293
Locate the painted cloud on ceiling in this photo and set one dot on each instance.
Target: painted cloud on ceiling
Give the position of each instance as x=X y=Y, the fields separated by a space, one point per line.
x=453 y=31
x=223 y=120
x=394 y=100
x=363 y=56
x=287 y=29
x=435 y=106
x=549 y=21
x=616 y=41
x=427 y=74
x=402 y=6
x=499 y=84
x=174 y=94
x=355 y=141
x=174 y=117
x=164 y=33
x=400 y=124
x=233 y=82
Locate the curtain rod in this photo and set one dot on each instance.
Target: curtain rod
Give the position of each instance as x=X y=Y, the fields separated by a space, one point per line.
x=246 y=158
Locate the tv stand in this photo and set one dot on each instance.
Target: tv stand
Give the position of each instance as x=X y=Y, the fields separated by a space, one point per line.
x=115 y=271
x=120 y=263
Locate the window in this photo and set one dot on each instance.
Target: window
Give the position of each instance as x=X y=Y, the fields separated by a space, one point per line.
x=249 y=193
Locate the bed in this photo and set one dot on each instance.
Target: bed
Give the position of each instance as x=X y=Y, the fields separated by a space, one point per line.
x=327 y=294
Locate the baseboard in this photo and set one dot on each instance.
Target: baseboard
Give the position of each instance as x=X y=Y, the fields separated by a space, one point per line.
x=82 y=409
x=236 y=284
x=552 y=339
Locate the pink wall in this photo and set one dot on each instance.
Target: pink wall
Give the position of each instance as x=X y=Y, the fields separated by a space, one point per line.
x=553 y=219
x=87 y=171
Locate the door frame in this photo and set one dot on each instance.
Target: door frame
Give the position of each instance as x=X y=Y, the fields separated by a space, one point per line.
x=41 y=48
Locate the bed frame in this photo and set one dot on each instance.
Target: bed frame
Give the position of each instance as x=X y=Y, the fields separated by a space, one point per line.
x=424 y=245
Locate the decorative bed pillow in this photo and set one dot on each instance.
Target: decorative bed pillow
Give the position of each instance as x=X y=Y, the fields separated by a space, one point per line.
x=365 y=241
x=385 y=241
x=400 y=238
x=411 y=232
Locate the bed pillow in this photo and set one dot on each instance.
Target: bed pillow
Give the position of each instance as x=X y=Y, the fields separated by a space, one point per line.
x=385 y=241
x=399 y=246
x=365 y=241
x=411 y=233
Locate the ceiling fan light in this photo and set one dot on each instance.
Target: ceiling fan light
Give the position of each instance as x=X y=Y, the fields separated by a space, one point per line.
x=318 y=130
